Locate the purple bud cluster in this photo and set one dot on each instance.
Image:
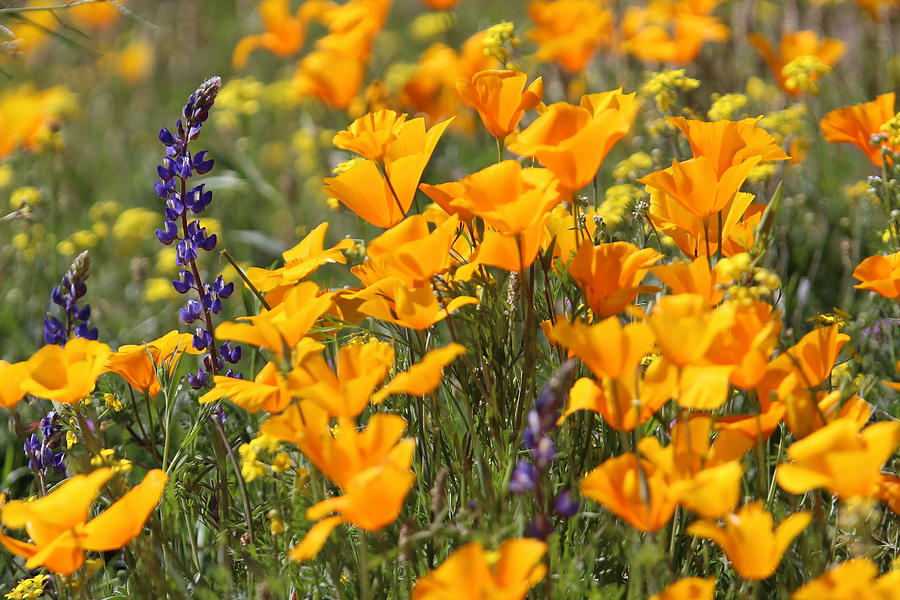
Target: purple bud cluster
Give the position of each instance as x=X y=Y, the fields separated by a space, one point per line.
x=189 y=236
x=74 y=321
x=540 y=422
x=40 y=452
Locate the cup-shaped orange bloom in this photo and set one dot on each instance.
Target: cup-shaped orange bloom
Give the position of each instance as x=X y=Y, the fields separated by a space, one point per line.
x=794 y=45
x=99 y=16
x=697 y=186
x=372 y=468
x=383 y=199
x=423 y=377
x=137 y=364
x=59 y=523
x=472 y=572
x=332 y=77
x=346 y=392
x=509 y=251
x=500 y=97
x=856 y=124
x=410 y=251
x=571 y=141
x=840 y=458
x=748 y=343
x=508 y=197
x=857 y=578
x=65 y=374
x=607 y=348
x=569 y=32
x=268 y=391
x=12 y=376
x=881 y=274
x=610 y=275
x=300 y=262
x=635 y=490
x=284 y=35
x=729 y=143
x=689 y=588
x=281 y=328
x=370 y=135
x=415 y=308
x=647 y=35
x=750 y=540
x=694 y=277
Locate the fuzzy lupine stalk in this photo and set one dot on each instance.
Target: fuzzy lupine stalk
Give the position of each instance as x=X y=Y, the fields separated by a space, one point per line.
x=75 y=318
x=527 y=475
x=190 y=237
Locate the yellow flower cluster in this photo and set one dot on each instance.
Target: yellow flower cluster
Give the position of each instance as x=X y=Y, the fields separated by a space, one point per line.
x=112 y=402
x=251 y=465
x=616 y=202
x=431 y=24
x=747 y=283
x=726 y=106
x=802 y=73
x=633 y=166
x=500 y=42
x=107 y=458
x=892 y=128
x=24 y=196
x=33 y=241
x=29 y=589
x=665 y=87
x=782 y=123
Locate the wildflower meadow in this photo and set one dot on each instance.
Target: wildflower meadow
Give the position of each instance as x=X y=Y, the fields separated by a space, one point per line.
x=450 y=299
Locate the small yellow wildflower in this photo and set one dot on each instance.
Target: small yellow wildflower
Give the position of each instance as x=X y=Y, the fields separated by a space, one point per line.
x=29 y=589
x=616 y=202
x=836 y=317
x=302 y=478
x=281 y=462
x=748 y=283
x=159 y=288
x=762 y=172
x=892 y=128
x=104 y=208
x=276 y=525
x=632 y=167
x=71 y=439
x=6 y=174
x=499 y=41
x=112 y=402
x=803 y=73
x=24 y=196
x=759 y=91
x=431 y=24
x=107 y=458
x=666 y=86
x=726 y=107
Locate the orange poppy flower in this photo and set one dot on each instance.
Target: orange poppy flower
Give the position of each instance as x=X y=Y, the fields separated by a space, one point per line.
x=99 y=16
x=694 y=277
x=729 y=143
x=472 y=572
x=300 y=262
x=348 y=390
x=500 y=97
x=268 y=391
x=566 y=234
x=572 y=141
x=610 y=274
x=806 y=411
x=750 y=540
x=332 y=77
x=384 y=199
x=12 y=376
x=856 y=578
x=888 y=491
x=794 y=45
x=282 y=327
x=748 y=343
x=372 y=468
x=508 y=251
x=65 y=374
x=59 y=527
x=28 y=115
x=840 y=458
x=569 y=32
x=858 y=123
x=881 y=274
x=423 y=377
x=285 y=33
x=633 y=489
x=137 y=364
x=647 y=34
x=441 y=4
x=371 y=135
x=415 y=308
x=689 y=588
x=755 y=427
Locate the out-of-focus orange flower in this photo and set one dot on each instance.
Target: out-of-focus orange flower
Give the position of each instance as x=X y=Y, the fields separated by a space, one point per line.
x=28 y=115
x=608 y=349
x=689 y=588
x=372 y=468
x=888 y=491
x=383 y=199
x=417 y=308
x=755 y=427
x=285 y=33
x=59 y=527
x=839 y=458
x=647 y=32
x=794 y=45
x=361 y=367
x=748 y=343
x=569 y=32
x=881 y=274
x=137 y=364
x=856 y=124
x=134 y=62
x=282 y=327
x=806 y=411
x=299 y=263
x=633 y=489
x=500 y=97
x=472 y=572
x=610 y=274
x=423 y=377
x=332 y=77
x=441 y=4
x=98 y=16
x=857 y=578
x=431 y=89
x=65 y=374
x=268 y=391
x=12 y=376
x=572 y=141
x=750 y=540
x=694 y=277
